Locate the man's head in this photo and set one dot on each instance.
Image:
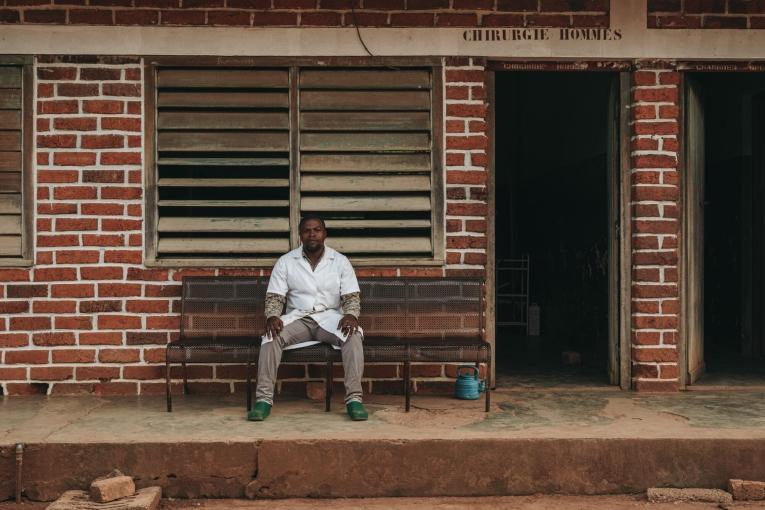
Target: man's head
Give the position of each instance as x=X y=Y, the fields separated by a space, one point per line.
x=313 y=232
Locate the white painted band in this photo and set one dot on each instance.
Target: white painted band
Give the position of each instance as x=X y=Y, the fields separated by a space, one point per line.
x=628 y=17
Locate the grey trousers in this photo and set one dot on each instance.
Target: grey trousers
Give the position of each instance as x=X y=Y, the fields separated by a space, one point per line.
x=302 y=330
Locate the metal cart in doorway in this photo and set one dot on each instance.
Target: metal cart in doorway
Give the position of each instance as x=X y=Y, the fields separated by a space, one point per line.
x=512 y=284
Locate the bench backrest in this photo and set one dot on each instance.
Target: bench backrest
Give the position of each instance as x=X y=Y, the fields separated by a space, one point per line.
x=422 y=308
x=391 y=308
x=220 y=307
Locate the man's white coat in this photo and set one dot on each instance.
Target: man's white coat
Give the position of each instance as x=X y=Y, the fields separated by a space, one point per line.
x=313 y=292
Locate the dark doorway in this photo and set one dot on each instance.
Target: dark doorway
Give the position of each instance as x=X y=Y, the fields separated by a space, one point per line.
x=554 y=139
x=732 y=109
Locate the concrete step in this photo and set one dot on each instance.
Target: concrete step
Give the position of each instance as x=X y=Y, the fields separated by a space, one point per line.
x=380 y=468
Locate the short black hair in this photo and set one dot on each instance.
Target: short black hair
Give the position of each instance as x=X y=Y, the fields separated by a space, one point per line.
x=309 y=217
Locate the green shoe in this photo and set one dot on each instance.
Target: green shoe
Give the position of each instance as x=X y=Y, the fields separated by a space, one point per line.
x=260 y=412
x=356 y=410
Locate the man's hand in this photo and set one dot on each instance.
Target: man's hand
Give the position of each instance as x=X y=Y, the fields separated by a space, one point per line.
x=348 y=324
x=274 y=326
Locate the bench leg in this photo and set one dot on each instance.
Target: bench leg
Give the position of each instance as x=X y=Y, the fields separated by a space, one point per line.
x=488 y=384
x=168 y=393
x=185 y=379
x=249 y=385
x=328 y=387
x=407 y=385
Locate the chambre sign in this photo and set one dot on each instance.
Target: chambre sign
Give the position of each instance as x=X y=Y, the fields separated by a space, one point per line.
x=479 y=35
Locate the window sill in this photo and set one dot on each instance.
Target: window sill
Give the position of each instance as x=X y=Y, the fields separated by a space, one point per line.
x=267 y=263
x=25 y=263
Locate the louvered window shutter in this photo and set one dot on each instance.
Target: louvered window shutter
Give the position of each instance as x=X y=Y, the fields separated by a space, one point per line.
x=11 y=165
x=223 y=166
x=241 y=153
x=366 y=159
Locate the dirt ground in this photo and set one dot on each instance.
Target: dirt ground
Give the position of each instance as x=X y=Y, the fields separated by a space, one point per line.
x=537 y=502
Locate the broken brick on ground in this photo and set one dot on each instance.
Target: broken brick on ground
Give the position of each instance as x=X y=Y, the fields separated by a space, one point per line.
x=111 y=487
x=746 y=490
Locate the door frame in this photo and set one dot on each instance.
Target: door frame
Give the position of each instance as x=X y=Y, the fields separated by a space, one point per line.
x=625 y=233
x=682 y=250
x=620 y=302
x=691 y=318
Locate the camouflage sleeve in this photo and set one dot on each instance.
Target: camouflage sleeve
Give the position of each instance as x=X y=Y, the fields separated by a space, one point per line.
x=351 y=304
x=274 y=304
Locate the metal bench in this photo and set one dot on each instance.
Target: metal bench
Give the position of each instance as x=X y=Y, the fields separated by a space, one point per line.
x=405 y=320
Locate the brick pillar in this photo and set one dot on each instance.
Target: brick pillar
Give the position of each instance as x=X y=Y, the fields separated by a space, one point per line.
x=655 y=223
x=466 y=167
x=89 y=224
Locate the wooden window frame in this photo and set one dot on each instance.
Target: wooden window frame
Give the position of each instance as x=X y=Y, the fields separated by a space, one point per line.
x=25 y=62
x=438 y=191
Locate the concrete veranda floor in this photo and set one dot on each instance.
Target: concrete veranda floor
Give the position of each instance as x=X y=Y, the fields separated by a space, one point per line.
x=579 y=441
x=572 y=413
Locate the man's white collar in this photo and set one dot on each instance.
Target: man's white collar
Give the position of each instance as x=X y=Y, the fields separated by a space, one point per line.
x=329 y=253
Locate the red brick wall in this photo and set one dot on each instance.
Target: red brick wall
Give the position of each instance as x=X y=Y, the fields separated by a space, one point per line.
x=291 y=13
x=466 y=160
x=90 y=317
x=655 y=226
x=739 y=14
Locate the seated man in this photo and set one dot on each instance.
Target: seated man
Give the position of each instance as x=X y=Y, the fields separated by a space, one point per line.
x=322 y=296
